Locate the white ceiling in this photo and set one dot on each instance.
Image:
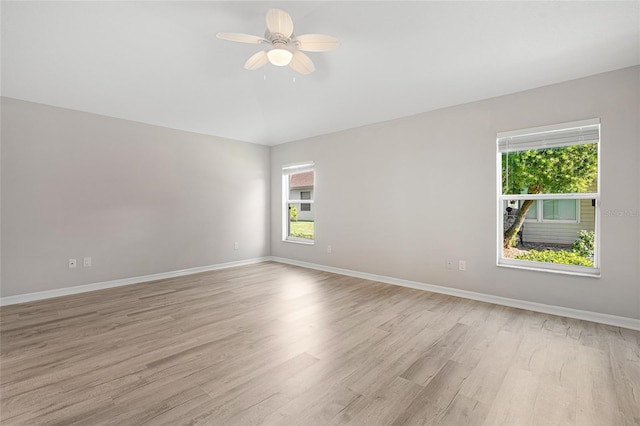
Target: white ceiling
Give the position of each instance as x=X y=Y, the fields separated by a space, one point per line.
x=160 y=63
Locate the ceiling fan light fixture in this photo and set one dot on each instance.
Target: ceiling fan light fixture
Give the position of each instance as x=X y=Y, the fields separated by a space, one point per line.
x=279 y=56
x=283 y=47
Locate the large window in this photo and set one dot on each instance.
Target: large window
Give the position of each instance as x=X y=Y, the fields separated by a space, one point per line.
x=548 y=198
x=298 y=218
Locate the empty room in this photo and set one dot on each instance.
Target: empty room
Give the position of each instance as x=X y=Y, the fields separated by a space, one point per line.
x=320 y=213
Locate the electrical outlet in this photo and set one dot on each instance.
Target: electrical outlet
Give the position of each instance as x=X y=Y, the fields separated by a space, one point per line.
x=72 y=263
x=329 y=249
x=87 y=262
x=462 y=265
x=449 y=263
x=236 y=245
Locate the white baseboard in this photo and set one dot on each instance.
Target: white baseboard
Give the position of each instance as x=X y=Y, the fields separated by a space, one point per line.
x=624 y=322
x=30 y=297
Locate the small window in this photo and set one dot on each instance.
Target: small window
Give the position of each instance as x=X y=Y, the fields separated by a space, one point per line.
x=305 y=195
x=560 y=210
x=548 y=178
x=553 y=211
x=298 y=221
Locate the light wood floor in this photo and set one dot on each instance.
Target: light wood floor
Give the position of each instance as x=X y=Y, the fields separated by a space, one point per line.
x=277 y=344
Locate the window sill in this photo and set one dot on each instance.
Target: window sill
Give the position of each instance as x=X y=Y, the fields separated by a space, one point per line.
x=299 y=241
x=581 y=271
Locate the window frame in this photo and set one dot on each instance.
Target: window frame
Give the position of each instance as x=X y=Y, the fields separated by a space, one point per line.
x=287 y=171
x=501 y=198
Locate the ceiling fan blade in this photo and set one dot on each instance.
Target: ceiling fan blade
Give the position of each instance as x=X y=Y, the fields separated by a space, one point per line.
x=301 y=63
x=317 y=42
x=279 y=22
x=256 y=61
x=242 y=38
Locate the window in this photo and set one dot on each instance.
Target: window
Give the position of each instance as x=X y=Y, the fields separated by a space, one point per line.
x=548 y=198
x=560 y=210
x=298 y=218
x=305 y=195
x=554 y=211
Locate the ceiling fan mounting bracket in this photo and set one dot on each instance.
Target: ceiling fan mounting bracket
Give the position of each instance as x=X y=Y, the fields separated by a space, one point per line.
x=277 y=38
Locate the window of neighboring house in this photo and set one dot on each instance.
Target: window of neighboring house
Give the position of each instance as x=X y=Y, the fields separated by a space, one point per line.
x=547 y=178
x=298 y=219
x=532 y=214
x=560 y=210
x=305 y=195
x=557 y=211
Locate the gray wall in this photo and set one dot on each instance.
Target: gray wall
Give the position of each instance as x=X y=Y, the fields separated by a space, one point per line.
x=428 y=183
x=141 y=199
x=138 y=199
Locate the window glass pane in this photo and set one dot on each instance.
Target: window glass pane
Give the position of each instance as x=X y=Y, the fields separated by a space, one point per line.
x=559 y=210
x=299 y=182
x=301 y=221
x=568 y=169
x=532 y=213
x=513 y=207
x=549 y=241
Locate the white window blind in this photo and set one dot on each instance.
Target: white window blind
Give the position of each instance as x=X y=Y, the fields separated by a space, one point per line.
x=297 y=168
x=576 y=133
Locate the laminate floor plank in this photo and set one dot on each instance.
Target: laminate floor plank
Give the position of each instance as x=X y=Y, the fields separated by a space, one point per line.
x=275 y=344
x=319 y=404
x=437 y=355
x=391 y=362
x=597 y=400
x=627 y=380
x=485 y=380
x=383 y=408
x=515 y=401
x=463 y=411
x=431 y=404
x=554 y=405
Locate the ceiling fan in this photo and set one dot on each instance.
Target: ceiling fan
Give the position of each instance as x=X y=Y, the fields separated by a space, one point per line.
x=284 y=48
